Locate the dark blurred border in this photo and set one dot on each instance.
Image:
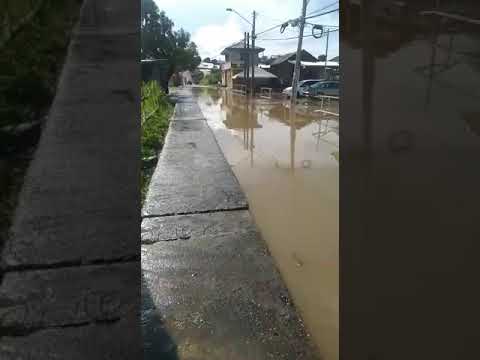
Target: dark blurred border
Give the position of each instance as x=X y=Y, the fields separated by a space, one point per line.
x=409 y=179
x=70 y=282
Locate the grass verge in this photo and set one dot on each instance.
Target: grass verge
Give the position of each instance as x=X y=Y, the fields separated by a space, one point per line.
x=156 y=113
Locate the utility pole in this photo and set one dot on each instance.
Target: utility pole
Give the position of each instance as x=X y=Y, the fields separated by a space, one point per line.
x=247 y=60
x=326 y=55
x=253 y=55
x=296 y=71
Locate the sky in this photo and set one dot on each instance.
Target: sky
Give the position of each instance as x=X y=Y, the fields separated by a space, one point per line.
x=213 y=28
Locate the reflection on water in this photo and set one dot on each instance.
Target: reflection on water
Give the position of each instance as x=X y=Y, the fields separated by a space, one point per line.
x=287 y=164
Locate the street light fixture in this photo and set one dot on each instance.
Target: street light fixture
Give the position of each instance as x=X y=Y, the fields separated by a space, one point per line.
x=236 y=12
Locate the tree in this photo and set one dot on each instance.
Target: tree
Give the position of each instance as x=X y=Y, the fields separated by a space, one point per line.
x=207 y=60
x=213 y=78
x=197 y=76
x=160 y=41
x=322 y=57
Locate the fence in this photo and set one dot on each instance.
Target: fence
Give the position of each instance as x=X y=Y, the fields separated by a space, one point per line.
x=266 y=92
x=240 y=89
x=326 y=106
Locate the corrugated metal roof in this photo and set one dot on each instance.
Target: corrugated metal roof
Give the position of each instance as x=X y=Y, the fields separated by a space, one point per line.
x=316 y=63
x=259 y=73
x=210 y=66
x=240 y=45
x=283 y=58
x=286 y=57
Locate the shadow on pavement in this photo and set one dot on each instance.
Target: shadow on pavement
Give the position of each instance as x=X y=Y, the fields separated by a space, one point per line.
x=157 y=343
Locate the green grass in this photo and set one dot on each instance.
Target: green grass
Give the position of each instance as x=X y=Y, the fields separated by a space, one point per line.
x=30 y=63
x=156 y=113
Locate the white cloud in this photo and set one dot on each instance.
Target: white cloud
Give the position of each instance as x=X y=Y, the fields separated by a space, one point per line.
x=211 y=39
x=212 y=28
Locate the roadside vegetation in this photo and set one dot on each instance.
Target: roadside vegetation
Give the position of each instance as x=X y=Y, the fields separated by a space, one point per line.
x=156 y=113
x=160 y=40
x=213 y=78
x=34 y=36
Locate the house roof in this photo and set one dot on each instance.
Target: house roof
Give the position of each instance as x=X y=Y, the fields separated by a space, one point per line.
x=259 y=73
x=240 y=46
x=282 y=58
x=287 y=57
x=209 y=66
x=316 y=63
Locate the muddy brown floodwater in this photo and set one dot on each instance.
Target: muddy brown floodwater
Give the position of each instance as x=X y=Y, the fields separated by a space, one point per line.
x=288 y=167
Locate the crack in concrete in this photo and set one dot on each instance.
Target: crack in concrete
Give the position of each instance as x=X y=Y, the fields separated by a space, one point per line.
x=69 y=264
x=154 y=241
x=238 y=208
x=22 y=331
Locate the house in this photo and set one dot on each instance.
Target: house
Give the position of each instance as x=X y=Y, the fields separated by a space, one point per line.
x=263 y=78
x=206 y=68
x=311 y=68
x=235 y=56
x=283 y=68
x=317 y=70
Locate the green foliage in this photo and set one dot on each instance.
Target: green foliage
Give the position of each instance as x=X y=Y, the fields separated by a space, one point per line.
x=32 y=59
x=34 y=37
x=155 y=118
x=160 y=41
x=213 y=78
x=197 y=76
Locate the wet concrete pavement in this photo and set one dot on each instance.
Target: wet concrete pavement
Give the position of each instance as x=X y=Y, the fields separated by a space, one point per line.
x=210 y=287
x=288 y=167
x=70 y=268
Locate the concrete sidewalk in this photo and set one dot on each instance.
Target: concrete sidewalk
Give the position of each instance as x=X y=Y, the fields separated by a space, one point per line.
x=70 y=271
x=210 y=288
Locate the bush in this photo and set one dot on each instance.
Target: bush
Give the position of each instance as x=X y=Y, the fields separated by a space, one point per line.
x=155 y=118
x=34 y=37
x=213 y=78
x=197 y=76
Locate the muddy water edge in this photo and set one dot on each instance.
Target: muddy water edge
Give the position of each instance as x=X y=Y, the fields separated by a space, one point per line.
x=287 y=164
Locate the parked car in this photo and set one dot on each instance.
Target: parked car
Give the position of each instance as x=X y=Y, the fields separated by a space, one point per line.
x=302 y=87
x=329 y=88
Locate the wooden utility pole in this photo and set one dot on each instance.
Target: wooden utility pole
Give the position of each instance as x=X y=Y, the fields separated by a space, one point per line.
x=326 y=55
x=244 y=56
x=247 y=60
x=296 y=71
x=252 y=91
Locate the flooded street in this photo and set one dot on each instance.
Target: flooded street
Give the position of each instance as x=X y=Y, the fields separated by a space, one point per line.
x=288 y=168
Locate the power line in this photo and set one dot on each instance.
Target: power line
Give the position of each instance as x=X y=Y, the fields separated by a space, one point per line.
x=270 y=29
x=325 y=26
x=289 y=38
x=321 y=14
x=323 y=8
x=287 y=21
x=268 y=17
x=296 y=37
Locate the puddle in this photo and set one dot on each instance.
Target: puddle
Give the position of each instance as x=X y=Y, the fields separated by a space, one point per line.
x=288 y=168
